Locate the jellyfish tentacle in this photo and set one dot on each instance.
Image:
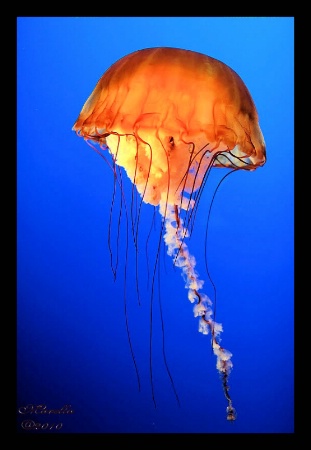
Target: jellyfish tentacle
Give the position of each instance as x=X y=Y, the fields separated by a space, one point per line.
x=174 y=238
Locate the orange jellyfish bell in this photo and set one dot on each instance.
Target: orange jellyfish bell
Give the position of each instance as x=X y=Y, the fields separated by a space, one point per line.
x=167 y=116
x=165 y=113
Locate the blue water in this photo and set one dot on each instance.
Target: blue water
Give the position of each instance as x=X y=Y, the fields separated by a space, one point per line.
x=72 y=342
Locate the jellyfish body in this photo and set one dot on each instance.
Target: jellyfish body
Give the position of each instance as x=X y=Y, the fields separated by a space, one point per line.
x=167 y=116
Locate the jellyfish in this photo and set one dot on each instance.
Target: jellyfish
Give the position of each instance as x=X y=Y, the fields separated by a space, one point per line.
x=167 y=116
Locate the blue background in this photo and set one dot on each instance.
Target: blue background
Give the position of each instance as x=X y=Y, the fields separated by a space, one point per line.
x=72 y=345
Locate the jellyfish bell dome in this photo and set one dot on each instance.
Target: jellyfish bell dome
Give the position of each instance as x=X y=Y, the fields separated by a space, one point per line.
x=167 y=115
